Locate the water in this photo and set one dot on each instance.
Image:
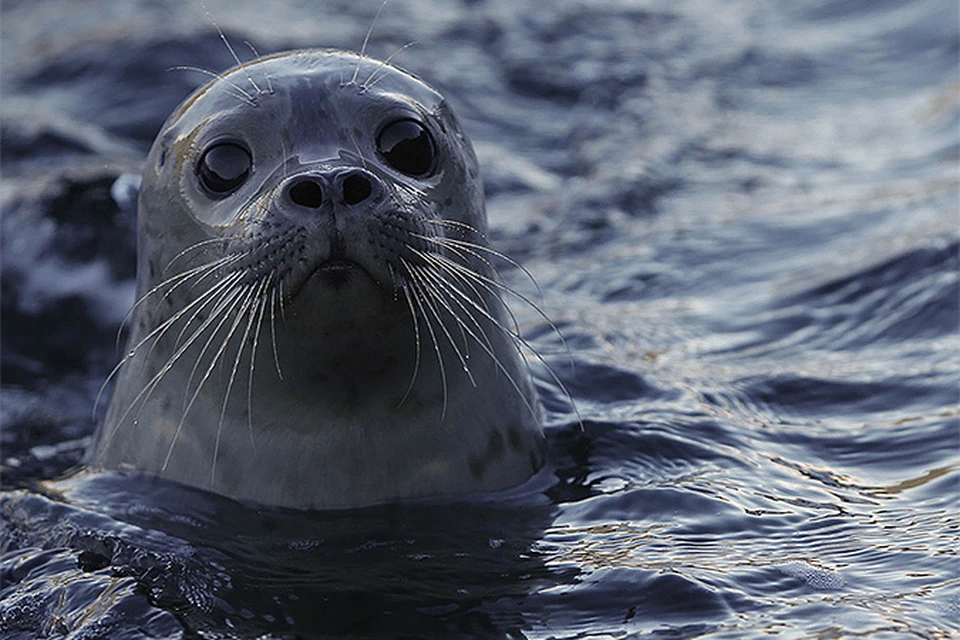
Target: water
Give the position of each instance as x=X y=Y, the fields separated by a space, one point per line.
x=744 y=218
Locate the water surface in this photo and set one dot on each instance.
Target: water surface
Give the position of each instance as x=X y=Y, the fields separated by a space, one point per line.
x=744 y=219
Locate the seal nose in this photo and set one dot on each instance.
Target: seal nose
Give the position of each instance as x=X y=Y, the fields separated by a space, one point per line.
x=345 y=187
x=306 y=192
x=356 y=186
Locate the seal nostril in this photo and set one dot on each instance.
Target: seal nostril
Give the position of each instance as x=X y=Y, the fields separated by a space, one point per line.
x=307 y=193
x=356 y=189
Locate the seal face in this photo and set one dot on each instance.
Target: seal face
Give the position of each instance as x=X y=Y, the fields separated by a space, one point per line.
x=319 y=321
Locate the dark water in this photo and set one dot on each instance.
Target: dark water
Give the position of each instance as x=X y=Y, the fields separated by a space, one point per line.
x=744 y=218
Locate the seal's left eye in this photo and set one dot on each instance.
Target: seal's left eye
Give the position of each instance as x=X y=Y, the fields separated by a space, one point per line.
x=224 y=167
x=408 y=147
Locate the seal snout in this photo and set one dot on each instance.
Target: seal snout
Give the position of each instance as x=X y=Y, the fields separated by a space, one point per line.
x=335 y=203
x=341 y=188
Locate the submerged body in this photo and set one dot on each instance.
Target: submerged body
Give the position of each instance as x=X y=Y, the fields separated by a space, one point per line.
x=319 y=321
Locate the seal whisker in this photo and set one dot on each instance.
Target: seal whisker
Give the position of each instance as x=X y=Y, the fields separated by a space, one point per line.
x=431 y=258
x=393 y=280
x=273 y=328
x=438 y=277
x=489 y=284
x=417 y=195
x=455 y=251
x=226 y=312
x=429 y=297
x=356 y=145
x=250 y=309
x=206 y=297
x=489 y=350
x=481 y=306
x=283 y=310
x=262 y=306
x=477 y=249
x=259 y=58
x=416 y=340
x=223 y=299
x=514 y=334
x=200 y=300
x=435 y=302
x=243 y=303
x=283 y=151
x=479 y=302
x=153 y=382
x=494 y=283
x=433 y=337
x=458 y=247
x=206 y=273
x=233 y=278
x=466 y=274
x=160 y=329
x=244 y=96
x=474 y=249
x=176 y=280
x=436 y=348
x=195 y=246
x=463 y=227
x=366 y=40
x=230 y=48
x=367 y=84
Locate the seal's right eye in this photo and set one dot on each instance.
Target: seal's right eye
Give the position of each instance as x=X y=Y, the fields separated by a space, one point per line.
x=224 y=167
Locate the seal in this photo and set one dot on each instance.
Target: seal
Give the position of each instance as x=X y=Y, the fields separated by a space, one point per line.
x=319 y=320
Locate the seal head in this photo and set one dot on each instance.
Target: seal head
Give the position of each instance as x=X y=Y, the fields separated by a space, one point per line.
x=319 y=321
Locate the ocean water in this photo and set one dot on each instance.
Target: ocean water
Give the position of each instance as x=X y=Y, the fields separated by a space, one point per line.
x=742 y=216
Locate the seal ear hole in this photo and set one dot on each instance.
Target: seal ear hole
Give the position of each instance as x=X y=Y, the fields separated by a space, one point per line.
x=223 y=168
x=408 y=147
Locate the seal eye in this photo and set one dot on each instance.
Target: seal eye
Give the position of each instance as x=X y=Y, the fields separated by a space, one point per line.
x=224 y=167
x=408 y=147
